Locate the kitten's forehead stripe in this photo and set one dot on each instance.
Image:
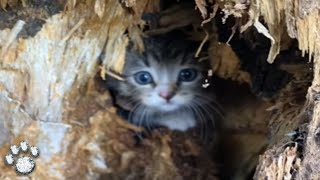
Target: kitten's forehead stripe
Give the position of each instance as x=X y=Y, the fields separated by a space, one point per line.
x=146 y=61
x=170 y=50
x=186 y=58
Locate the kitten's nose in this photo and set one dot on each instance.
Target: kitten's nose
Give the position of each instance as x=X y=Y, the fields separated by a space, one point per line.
x=167 y=95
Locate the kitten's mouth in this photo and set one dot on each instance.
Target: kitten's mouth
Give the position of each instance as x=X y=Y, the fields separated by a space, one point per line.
x=169 y=103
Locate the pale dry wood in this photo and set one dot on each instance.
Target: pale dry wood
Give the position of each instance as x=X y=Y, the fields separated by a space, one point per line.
x=40 y=73
x=278 y=164
x=310 y=168
x=202 y=44
x=202 y=6
x=302 y=21
x=63 y=56
x=129 y=3
x=4 y=4
x=99 y=7
x=11 y=38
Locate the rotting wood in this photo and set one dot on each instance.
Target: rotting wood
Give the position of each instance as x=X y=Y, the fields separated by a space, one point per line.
x=40 y=73
x=302 y=21
x=275 y=165
x=33 y=105
x=48 y=98
x=310 y=168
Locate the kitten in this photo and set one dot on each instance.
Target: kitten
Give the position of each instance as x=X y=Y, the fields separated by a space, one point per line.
x=163 y=85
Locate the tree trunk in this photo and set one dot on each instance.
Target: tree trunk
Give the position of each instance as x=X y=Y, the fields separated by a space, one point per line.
x=53 y=52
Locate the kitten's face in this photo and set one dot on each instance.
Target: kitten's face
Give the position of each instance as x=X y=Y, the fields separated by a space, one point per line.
x=163 y=82
x=166 y=87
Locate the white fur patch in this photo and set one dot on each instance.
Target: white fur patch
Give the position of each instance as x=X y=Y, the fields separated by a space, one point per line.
x=181 y=122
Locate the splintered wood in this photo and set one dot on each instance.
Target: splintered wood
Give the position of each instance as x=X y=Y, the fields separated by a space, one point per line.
x=270 y=10
x=302 y=23
x=114 y=152
x=47 y=98
x=40 y=73
x=298 y=19
x=279 y=164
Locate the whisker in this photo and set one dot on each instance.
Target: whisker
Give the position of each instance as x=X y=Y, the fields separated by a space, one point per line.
x=208 y=112
x=204 y=102
x=210 y=100
x=201 y=119
x=132 y=113
x=207 y=118
x=148 y=122
x=145 y=119
x=140 y=116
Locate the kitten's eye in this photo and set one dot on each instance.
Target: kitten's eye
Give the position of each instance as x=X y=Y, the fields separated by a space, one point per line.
x=187 y=75
x=143 y=78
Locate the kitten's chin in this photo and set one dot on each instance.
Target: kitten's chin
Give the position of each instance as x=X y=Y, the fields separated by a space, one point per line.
x=168 y=107
x=165 y=107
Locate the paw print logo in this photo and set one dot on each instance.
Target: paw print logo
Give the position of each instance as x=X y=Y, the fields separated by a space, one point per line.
x=23 y=163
